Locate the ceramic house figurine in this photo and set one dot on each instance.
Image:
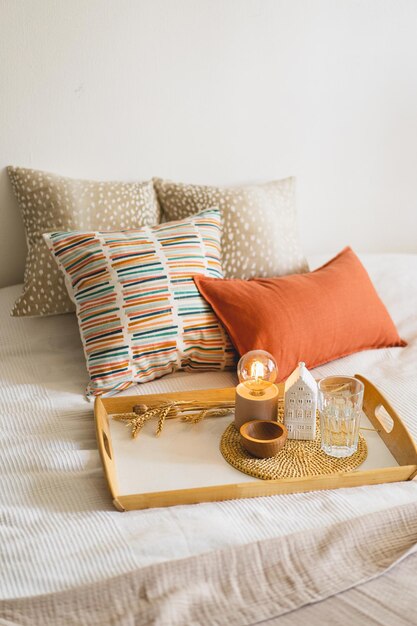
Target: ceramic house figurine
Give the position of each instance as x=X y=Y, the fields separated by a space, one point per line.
x=300 y=404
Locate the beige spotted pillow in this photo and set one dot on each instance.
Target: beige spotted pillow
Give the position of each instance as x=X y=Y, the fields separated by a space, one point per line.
x=49 y=203
x=260 y=232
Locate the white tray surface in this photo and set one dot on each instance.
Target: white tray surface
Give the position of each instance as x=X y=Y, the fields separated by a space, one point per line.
x=188 y=455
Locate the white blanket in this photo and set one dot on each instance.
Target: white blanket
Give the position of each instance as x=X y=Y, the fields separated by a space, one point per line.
x=266 y=582
x=58 y=528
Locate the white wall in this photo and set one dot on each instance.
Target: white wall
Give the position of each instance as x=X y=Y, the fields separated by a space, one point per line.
x=220 y=91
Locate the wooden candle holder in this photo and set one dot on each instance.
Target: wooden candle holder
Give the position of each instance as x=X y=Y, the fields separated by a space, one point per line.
x=249 y=407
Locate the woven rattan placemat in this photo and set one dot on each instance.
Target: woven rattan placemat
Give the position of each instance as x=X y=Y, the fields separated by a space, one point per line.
x=296 y=459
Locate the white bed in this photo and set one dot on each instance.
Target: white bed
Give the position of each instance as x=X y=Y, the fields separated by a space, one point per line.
x=58 y=528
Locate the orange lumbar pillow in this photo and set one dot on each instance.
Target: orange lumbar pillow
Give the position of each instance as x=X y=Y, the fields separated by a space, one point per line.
x=314 y=317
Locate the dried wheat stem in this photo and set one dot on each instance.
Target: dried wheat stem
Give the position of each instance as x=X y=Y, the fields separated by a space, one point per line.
x=161 y=419
x=188 y=410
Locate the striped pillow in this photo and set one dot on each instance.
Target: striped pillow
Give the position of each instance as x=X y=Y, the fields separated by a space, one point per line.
x=139 y=311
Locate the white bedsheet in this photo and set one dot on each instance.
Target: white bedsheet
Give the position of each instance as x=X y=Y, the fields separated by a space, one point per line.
x=58 y=528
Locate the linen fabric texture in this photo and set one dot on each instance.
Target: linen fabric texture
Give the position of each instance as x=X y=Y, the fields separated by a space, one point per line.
x=139 y=312
x=260 y=231
x=314 y=317
x=50 y=202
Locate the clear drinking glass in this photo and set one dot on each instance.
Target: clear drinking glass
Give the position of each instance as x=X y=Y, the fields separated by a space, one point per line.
x=340 y=406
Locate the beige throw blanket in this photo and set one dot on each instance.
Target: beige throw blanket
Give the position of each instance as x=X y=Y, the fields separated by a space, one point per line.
x=243 y=585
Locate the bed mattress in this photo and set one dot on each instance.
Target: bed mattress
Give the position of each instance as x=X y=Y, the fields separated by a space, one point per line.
x=58 y=528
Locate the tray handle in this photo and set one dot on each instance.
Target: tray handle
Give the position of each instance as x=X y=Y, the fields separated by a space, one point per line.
x=102 y=431
x=397 y=439
x=106 y=450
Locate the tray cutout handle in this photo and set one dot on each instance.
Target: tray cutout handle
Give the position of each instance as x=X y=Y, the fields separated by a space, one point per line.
x=106 y=444
x=398 y=440
x=384 y=417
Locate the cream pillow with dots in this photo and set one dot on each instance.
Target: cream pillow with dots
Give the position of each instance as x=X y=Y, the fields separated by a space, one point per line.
x=260 y=230
x=49 y=202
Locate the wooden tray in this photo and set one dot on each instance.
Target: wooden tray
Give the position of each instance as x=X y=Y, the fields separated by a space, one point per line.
x=185 y=466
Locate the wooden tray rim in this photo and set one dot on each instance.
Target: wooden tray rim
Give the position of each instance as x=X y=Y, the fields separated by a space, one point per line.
x=398 y=440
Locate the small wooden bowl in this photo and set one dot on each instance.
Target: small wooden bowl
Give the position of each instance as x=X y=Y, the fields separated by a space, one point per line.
x=263 y=438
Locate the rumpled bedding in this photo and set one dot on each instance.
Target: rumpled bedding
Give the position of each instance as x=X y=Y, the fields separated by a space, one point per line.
x=58 y=529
